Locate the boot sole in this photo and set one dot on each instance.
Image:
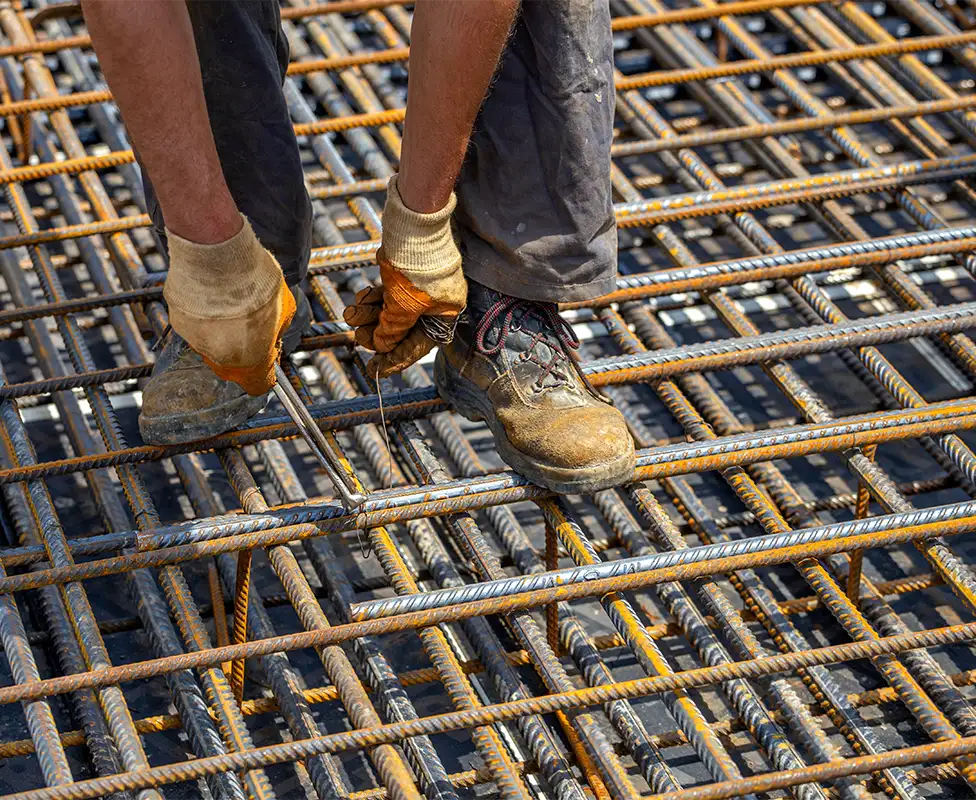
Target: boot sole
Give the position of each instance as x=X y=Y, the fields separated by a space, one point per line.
x=471 y=402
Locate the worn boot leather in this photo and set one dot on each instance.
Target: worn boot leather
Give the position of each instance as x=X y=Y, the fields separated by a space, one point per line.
x=184 y=400
x=509 y=365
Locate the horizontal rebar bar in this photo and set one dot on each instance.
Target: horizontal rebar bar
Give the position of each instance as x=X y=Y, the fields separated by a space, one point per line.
x=579 y=698
x=793 y=190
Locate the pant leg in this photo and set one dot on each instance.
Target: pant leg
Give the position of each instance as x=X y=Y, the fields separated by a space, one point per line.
x=243 y=57
x=535 y=214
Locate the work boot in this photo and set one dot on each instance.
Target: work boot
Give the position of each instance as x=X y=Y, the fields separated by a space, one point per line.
x=510 y=365
x=185 y=401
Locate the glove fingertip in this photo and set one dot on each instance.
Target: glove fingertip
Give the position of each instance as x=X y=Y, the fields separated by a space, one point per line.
x=357 y=316
x=374 y=368
x=363 y=294
x=365 y=337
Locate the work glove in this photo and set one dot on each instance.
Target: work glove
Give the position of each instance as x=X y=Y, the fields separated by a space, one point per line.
x=423 y=290
x=229 y=301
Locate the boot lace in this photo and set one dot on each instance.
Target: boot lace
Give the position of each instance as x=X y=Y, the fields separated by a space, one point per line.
x=503 y=313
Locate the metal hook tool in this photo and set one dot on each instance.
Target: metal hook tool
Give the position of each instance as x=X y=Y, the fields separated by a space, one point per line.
x=352 y=496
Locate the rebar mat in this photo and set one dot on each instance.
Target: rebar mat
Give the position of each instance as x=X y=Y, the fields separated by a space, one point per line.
x=782 y=605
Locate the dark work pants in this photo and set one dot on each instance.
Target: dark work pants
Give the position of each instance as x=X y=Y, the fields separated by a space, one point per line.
x=534 y=217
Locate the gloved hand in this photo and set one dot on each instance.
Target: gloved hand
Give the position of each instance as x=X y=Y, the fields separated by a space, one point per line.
x=231 y=304
x=420 y=270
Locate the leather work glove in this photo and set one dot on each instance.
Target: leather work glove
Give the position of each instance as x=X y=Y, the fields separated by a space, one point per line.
x=423 y=289
x=231 y=304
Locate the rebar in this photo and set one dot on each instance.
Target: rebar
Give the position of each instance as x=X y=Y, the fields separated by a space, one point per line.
x=782 y=601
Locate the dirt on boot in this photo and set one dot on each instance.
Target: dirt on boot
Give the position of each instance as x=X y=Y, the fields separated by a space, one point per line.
x=510 y=365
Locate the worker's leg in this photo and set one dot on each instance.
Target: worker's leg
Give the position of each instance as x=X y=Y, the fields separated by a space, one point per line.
x=243 y=58
x=536 y=226
x=534 y=206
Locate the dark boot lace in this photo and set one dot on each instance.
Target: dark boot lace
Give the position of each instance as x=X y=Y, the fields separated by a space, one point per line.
x=509 y=315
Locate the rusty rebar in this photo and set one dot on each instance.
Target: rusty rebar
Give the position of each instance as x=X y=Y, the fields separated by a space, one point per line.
x=792 y=188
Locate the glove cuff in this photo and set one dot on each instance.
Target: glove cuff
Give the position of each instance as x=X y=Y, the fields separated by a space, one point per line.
x=419 y=244
x=220 y=281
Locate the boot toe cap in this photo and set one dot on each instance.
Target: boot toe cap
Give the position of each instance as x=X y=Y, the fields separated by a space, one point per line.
x=179 y=392
x=573 y=440
x=584 y=438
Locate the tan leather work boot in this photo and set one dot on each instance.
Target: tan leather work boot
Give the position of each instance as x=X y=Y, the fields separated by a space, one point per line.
x=509 y=365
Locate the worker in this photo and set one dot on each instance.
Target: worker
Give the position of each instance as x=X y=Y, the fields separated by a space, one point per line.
x=501 y=208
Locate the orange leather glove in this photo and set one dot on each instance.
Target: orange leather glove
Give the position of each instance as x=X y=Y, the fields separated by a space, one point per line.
x=231 y=304
x=420 y=270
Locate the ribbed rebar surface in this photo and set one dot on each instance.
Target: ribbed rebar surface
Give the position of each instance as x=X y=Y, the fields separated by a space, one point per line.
x=784 y=604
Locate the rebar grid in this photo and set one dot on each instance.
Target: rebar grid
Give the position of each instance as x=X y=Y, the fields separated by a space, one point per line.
x=783 y=604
